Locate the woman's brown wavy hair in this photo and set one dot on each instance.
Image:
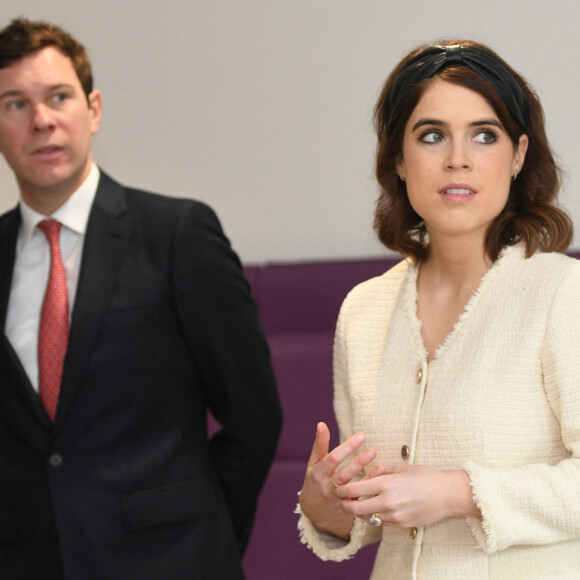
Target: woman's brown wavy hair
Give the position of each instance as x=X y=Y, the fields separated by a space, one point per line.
x=530 y=215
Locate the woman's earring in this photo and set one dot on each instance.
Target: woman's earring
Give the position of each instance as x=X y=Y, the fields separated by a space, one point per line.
x=514 y=176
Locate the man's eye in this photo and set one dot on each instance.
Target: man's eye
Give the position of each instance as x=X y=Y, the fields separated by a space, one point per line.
x=16 y=105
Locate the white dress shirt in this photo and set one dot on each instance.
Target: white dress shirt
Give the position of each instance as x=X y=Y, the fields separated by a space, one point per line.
x=32 y=266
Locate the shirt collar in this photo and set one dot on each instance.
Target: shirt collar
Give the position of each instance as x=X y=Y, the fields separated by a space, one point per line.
x=73 y=214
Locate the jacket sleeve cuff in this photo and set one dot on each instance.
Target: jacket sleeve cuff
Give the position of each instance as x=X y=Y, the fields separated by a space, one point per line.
x=484 y=530
x=327 y=546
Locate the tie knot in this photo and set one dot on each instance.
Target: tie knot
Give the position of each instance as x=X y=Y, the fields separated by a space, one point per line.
x=51 y=228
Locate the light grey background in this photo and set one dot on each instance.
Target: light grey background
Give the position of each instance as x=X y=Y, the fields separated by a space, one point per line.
x=262 y=108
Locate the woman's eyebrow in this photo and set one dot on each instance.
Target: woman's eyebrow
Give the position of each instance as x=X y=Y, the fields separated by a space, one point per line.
x=439 y=123
x=422 y=122
x=493 y=122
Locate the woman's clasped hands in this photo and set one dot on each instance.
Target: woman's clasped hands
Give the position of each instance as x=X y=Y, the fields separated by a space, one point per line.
x=405 y=496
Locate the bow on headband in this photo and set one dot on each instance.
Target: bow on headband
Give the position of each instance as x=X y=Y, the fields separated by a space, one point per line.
x=430 y=61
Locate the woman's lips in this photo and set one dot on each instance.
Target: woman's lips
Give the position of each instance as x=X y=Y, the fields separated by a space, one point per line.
x=457 y=192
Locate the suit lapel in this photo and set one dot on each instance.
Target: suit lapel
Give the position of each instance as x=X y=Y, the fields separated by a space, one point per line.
x=9 y=362
x=104 y=247
x=8 y=235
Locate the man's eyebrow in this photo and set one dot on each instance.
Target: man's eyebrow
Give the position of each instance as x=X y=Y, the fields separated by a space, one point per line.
x=10 y=93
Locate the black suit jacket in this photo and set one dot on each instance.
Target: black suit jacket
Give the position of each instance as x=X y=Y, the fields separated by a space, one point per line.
x=125 y=484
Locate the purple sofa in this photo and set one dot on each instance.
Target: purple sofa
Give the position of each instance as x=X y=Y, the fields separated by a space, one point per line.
x=298 y=306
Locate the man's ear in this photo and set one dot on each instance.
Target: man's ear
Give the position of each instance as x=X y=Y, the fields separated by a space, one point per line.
x=95 y=109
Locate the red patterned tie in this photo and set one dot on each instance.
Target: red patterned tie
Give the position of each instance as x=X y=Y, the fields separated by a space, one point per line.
x=53 y=329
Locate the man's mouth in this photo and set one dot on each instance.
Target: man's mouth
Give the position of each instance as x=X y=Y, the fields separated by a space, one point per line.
x=47 y=149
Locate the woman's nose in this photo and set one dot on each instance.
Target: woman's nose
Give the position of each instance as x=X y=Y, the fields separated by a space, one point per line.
x=458 y=156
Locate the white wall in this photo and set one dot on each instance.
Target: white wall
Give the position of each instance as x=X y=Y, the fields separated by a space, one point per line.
x=263 y=108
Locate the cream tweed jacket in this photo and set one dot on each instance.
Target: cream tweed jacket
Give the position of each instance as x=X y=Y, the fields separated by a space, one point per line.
x=501 y=398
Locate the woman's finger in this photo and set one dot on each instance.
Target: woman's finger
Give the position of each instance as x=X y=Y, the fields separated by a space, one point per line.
x=321 y=444
x=348 y=472
x=375 y=472
x=324 y=463
x=342 y=452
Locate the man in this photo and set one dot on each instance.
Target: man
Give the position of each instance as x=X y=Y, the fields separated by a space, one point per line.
x=126 y=317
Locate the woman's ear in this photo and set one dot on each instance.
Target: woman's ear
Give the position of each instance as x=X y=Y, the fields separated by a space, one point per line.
x=401 y=169
x=520 y=154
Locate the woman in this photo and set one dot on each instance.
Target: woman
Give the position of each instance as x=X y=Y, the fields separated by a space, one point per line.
x=457 y=375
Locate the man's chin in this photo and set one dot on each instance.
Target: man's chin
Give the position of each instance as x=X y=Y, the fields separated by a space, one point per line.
x=58 y=185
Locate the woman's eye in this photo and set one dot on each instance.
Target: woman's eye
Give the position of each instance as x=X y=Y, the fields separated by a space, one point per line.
x=486 y=137
x=432 y=137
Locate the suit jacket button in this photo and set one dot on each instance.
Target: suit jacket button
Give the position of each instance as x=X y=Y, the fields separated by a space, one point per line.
x=413 y=533
x=55 y=460
x=405 y=452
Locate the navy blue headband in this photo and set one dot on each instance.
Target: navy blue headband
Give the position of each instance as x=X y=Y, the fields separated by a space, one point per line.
x=432 y=60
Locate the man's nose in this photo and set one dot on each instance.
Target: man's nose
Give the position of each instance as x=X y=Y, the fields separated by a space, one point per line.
x=42 y=118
